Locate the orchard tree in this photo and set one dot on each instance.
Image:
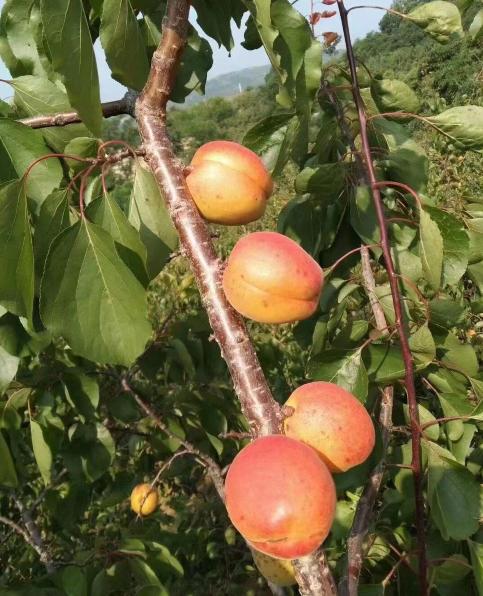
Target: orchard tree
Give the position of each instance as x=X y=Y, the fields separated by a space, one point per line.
x=123 y=436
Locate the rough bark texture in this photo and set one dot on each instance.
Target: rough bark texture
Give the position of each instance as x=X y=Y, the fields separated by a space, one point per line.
x=262 y=412
x=109 y=109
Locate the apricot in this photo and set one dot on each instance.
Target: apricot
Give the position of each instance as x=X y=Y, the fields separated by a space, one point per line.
x=269 y=278
x=278 y=571
x=144 y=499
x=280 y=496
x=229 y=183
x=333 y=422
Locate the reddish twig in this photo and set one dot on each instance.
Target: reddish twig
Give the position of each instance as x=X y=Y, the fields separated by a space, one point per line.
x=394 y=284
x=109 y=109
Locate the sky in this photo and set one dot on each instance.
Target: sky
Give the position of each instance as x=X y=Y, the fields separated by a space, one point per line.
x=362 y=22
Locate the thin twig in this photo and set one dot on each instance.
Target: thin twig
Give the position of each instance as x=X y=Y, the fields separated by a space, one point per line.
x=33 y=540
x=370 y=287
x=109 y=109
x=212 y=468
x=416 y=461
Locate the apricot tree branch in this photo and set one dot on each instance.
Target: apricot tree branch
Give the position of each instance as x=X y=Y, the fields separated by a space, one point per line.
x=261 y=410
x=397 y=301
x=35 y=541
x=259 y=407
x=124 y=105
x=370 y=287
x=212 y=468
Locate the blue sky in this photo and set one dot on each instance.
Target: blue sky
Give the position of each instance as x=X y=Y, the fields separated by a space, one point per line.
x=362 y=21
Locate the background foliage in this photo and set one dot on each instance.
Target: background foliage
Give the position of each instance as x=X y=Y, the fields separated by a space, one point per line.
x=84 y=304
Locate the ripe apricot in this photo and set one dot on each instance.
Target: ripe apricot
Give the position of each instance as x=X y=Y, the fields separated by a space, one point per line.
x=280 y=496
x=278 y=571
x=229 y=183
x=144 y=499
x=333 y=422
x=269 y=278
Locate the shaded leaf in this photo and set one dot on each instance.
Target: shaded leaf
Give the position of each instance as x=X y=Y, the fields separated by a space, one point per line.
x=123 y=44
x=393 y=95
x=149 y=215
x=8 y=474
x=16 y=252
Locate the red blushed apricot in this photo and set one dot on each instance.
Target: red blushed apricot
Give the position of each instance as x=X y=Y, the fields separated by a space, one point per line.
x=269 y=278
x=280 y=496
x=229 y=183
x=333 y=422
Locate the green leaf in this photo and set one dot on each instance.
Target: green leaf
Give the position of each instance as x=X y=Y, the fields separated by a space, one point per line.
x=446 y=313
x=301 y=220
x=36 y=96
x=8 y=474
x=19 y=48
x=8 y=368
x=74 y=581
x=273 y=139
x=82 y=392
x=149 y=215
x=67 y=35
x=363 y=218
x=456 y=355
x=342 y=367
x=406 y=161
x=196 y=61
x=462 y=124
x=422 y=346
x=91 y=451
x=20 y=146
x=476 y=551
x=451 y=570
x=106 y=213
x=455 y=428
x=215 y=19
x=425 y=417
x=385 y=364
x=453 y=493
x=440 y=19
x=431 y=249
x=123 y=44
x=476 y=27
x=42 y=452
x=326 y=181
x=16 y=252
x=55 y=216
x=393 y=95
x=92 y=299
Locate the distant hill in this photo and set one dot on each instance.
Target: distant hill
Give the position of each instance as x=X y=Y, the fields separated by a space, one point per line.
x=230 y=84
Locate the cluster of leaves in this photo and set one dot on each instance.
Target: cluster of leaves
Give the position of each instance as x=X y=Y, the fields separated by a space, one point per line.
x=80 y=311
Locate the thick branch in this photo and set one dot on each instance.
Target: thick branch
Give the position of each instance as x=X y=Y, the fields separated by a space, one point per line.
x=259 y=407
x=416 y=463
x=211 y=466
x=314 y=576
x=261 y=411
x=109 y=109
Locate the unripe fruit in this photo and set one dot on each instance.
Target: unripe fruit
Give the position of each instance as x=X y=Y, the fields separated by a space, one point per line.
x=269 y=278
x=278 y=571
x=144 y=499
x=280 y=496
x=229 y=183
x=333 y=422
